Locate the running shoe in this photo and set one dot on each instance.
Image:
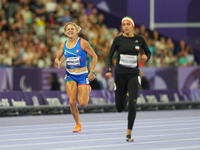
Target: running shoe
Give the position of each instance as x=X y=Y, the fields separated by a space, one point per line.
x=129 y=139
x=77 y=128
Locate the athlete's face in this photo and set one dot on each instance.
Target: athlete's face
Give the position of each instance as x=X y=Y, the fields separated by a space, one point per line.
x=71 y=31
x=127 y=27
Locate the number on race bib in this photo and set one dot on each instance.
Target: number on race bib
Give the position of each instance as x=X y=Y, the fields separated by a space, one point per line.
x=128 y=60
x=73 y=61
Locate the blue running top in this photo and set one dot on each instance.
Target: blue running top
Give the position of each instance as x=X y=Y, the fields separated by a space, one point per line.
x=75 y=57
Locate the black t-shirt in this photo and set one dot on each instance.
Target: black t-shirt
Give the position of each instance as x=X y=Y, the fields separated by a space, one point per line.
x=127 y=49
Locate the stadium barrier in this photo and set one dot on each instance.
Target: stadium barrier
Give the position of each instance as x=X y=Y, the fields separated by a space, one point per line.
x=27 y=91
x=51 y=102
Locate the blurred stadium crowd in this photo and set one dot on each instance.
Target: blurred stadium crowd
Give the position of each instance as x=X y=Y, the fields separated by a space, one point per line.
x=32 y=30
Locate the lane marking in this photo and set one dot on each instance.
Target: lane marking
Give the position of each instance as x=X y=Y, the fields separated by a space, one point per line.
x=138 y=143
x=99 y=122
x=103 y=129
x=83 y=135
x=93 y=140
x=179 y=148
x=99 y=125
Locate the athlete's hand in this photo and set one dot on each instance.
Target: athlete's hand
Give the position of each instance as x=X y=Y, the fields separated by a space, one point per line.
x=91 y=76
x=142 y=58
x=109 y=75
x=57 y=63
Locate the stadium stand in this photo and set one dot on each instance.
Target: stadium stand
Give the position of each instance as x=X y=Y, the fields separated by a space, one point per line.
x=30 y=34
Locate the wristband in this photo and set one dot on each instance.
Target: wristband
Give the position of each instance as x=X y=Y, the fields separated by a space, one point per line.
x=93 y=73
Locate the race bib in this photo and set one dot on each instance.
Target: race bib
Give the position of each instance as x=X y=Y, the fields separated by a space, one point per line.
x=73 y=61
x=128 y=60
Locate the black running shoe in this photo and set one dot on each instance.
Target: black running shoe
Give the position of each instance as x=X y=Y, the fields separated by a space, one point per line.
x=128 y=138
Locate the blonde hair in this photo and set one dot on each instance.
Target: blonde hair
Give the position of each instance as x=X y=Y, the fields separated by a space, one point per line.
x=78 y=28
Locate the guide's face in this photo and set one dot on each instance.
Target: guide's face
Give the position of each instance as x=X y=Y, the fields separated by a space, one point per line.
x=71 y=31
x=127 y=27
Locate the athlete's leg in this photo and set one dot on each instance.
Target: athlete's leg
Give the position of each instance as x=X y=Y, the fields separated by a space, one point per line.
x=133 y=89
x=120 y=92
x=71 y=88
x=83 y=94
x=84 y=90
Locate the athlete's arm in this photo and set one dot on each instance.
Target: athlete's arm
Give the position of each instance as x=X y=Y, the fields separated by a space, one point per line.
x=109 y=59
x=111 y=53
x=86 y=47
x=147 y=52
x=59 y=55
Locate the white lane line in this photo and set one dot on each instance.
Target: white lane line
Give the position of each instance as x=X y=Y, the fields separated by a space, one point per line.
x=57 y=131
x=179 y=148
x=83 y=135
x=174 y=129
x=64 y=126
x=61 y=127
x=138 y=121
x=89 y=140
x=101 y=129
x=59 y=142
x=116 y=145
x=64 y=136
x=192 y=122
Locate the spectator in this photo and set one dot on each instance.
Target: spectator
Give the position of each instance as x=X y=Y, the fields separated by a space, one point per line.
x=142 y=30
x=183 y=60
x=190 y=55
x=67 y=17
x=180 y=49
x=100 y=20
x=170 y=45
x=160 y=44
x=38 y=20
x=77 y=5
x=50 y=6
x=151 y=46
x=170 y=60
x=3 y=21
x=39 y=8
x=88 y=10
x=26 y=14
